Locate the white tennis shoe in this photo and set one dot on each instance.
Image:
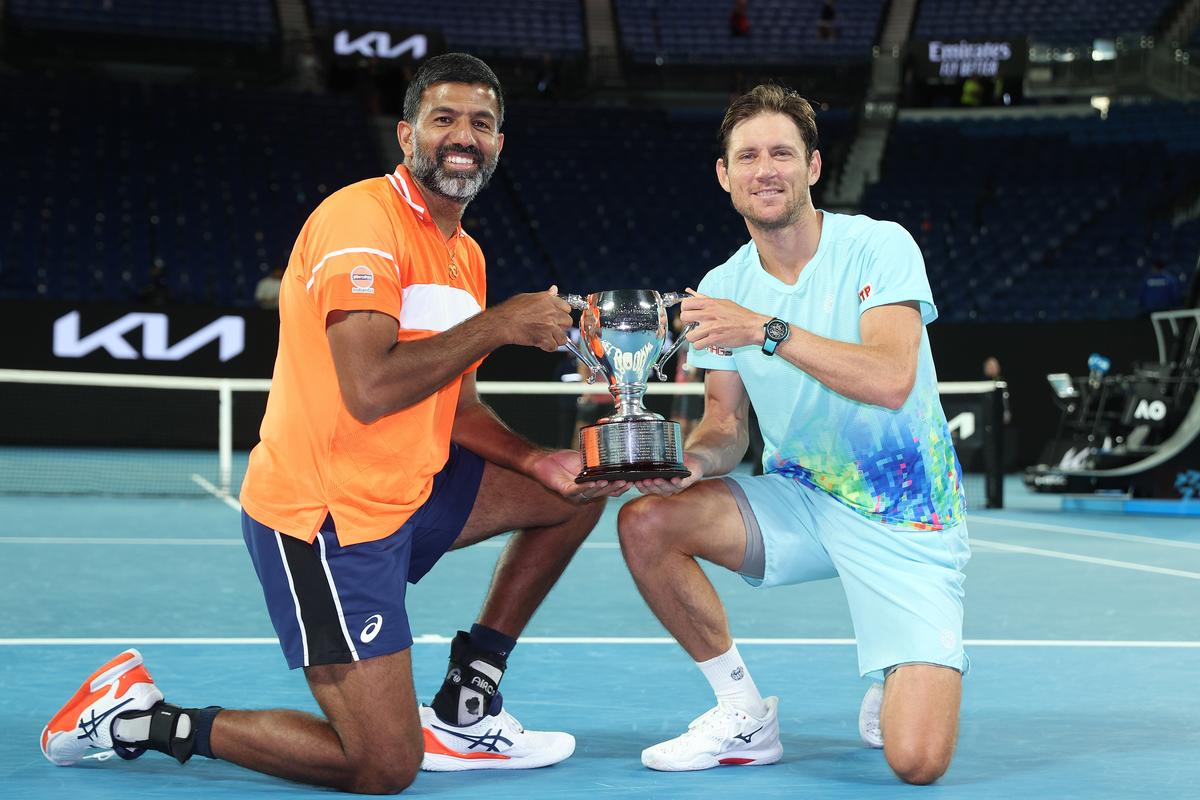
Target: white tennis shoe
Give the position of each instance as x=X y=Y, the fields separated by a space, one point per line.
x=85 y=722
x=868 y=716
x=494 y=742
x=721 y=737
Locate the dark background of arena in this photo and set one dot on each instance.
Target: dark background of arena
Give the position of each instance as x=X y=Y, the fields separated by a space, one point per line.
x=160 y=157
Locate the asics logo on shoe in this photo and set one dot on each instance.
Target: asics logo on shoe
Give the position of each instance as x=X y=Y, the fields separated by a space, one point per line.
x=746 y=737
x=487 y=741
x=371 y=629
x=738 y=674
x=91 y=726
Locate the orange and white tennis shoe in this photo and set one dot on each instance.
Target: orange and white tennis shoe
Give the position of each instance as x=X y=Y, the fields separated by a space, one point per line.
x=497 y=741
x=85 y=722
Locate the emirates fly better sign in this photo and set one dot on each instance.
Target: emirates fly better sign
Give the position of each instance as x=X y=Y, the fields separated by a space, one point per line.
x=970 y=58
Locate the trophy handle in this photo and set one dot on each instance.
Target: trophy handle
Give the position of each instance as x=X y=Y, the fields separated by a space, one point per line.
x=589 y=360
x=578 y=303
x=673 y=298
x=575 y=301
x=665 y=357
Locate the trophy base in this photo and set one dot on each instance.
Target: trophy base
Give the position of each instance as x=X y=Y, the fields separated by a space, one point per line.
x=631 y=450
x=633 y=472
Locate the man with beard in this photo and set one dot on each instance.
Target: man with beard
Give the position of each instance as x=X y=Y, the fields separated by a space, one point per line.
x=376 y=457
x=819 y=321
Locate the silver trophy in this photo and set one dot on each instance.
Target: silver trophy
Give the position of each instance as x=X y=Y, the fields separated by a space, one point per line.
x=623 y=333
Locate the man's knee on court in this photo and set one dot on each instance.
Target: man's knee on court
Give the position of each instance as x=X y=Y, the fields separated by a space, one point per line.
x=916 y=759
x=379 y=774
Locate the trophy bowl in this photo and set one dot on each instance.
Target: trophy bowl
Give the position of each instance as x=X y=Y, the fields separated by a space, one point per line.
x=622 y=337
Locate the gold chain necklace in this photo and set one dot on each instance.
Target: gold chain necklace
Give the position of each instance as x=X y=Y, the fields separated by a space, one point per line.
x=452 y=268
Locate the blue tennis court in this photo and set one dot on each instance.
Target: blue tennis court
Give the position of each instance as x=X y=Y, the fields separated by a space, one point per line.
x=1082 y=628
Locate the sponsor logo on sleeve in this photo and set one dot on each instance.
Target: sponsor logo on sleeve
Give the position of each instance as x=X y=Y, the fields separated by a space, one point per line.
x=362 y=279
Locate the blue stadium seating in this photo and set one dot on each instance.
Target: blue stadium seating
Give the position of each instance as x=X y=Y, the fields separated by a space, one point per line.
x=526 y=27
x=1021 y=219
x=106 y=178
x=1047 y=218
x=1061 y=22
x=619 y=198
x=781 y=31
x=237 y=21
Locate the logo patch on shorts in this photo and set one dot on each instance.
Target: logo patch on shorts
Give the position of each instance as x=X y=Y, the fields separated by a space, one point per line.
x=949 y=639
x=362 y=279
x=371 y=629
x=865 y=292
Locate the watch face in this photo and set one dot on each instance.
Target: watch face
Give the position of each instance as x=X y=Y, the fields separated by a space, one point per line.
x=776 y=330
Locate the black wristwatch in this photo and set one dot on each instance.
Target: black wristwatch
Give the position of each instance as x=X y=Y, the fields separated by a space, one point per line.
x=777 y=332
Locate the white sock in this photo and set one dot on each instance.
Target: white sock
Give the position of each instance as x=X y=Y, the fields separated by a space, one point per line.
x=732 y=684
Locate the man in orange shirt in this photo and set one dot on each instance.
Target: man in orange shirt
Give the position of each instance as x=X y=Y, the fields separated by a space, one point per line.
x=377 y=457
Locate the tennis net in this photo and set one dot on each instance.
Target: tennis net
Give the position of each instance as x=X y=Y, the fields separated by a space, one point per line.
x=68 y=433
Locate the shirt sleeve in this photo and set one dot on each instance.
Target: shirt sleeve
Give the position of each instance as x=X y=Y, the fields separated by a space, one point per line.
x=705 y=358
x=350 y=252
x=894 y=272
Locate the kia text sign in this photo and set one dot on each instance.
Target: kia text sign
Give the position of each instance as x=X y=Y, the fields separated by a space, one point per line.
x=229 y=332
x=386 y=45
x=146 y=340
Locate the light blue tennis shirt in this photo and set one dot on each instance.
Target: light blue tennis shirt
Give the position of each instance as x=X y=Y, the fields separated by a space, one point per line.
x=896 y=467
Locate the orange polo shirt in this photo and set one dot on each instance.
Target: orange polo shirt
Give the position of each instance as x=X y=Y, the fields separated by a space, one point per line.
x=371 y=246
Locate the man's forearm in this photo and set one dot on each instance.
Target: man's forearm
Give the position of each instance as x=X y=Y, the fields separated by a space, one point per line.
x=413 y=370
x=718 y=447
x=868 y=374
x=477 y=428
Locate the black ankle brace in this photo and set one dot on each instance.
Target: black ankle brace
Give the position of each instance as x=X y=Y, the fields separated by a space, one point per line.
x=460 y=676
x=164 y=721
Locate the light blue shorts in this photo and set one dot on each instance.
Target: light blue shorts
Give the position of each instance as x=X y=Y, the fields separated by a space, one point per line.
x=904 y=586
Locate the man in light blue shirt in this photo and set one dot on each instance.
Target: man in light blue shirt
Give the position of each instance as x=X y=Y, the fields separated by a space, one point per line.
x=820 y=321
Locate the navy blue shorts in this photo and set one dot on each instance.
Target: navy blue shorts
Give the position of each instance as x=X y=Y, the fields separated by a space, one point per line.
x=334 y=605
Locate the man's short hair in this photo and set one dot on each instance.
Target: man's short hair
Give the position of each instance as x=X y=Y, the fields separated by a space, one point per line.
x=451 y=68
x=770 y=98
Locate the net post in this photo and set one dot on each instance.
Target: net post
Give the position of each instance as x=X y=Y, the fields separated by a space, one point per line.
x=225 y=435
x=993 y=451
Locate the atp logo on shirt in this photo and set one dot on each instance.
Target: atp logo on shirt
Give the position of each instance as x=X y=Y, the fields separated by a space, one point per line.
x=864 y=293
x=363 y=280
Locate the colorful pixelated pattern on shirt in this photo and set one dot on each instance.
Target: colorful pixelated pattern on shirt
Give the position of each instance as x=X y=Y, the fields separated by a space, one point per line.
x=898 y=468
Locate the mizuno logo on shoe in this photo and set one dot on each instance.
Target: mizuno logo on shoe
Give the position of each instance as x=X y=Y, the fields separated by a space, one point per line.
x=487 y=741
x=746 y=737
x=371 y=629
x=91 y=726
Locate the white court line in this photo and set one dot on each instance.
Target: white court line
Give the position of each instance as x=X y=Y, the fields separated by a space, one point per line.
x=1107 y=562
x=599 y=640
x=1120 y=537
x=119 y=540
x=224 y=497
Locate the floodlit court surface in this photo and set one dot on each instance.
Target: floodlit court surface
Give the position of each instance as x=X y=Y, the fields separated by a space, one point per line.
x=1083 y=630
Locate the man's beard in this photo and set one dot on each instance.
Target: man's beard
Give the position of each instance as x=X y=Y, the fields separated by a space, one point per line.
x=430 y=172
x=791 y=213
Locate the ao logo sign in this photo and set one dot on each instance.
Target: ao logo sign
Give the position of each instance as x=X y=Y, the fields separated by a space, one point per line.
x=228 y=331
x=378 y=44
x=1154 y=410
x=963 y=424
